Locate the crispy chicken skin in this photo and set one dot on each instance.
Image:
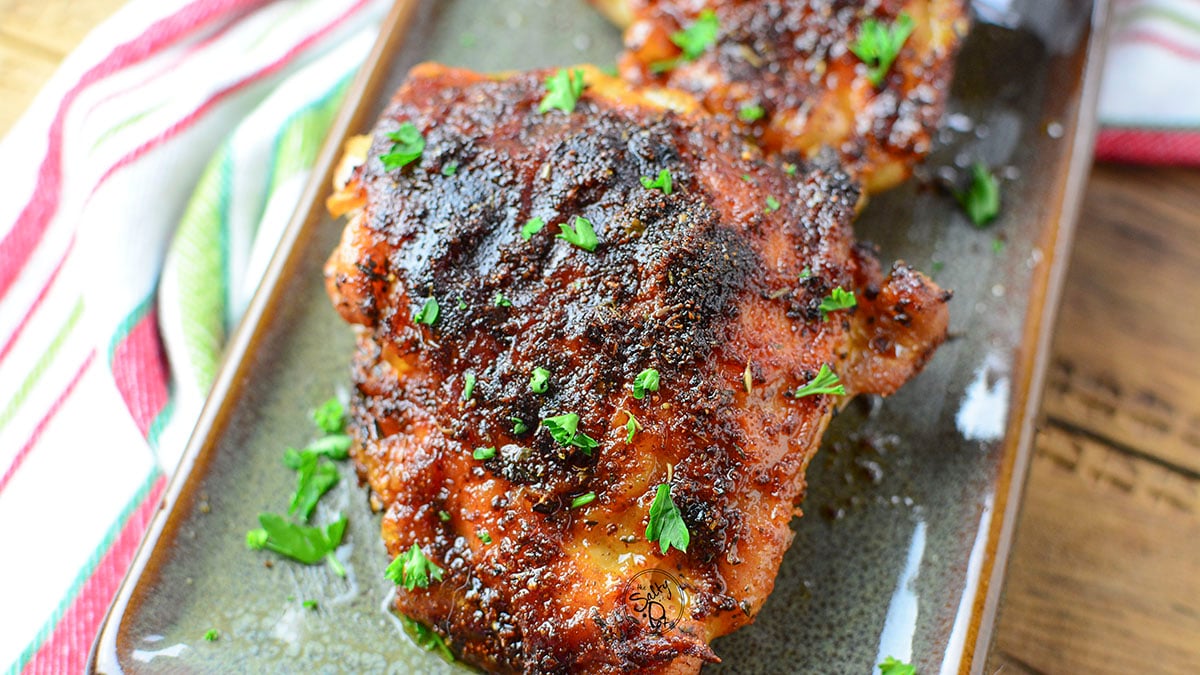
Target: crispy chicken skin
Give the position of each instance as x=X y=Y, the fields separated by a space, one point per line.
x=792 y=58
x=703 y=285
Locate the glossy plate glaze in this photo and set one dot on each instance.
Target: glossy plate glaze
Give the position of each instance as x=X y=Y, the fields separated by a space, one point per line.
x=912 y=499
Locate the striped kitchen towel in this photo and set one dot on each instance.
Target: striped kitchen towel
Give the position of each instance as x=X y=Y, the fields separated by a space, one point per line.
x=1150 y=101
x=143 y=191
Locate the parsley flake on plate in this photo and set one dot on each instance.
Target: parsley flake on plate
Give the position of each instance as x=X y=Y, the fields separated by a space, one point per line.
x=484 y=536
x=981 y=200
x=450 y=169
x=519 y=426
x=666 y=524
x=772 y=203
x=662 y=182
x=838 y=299
x=647 y=380
x=563 y=90
x=330 y=417
x=211 y=635
x=583 y=500
x=411 y=569
x=893 y=666
x=879 y=44
x=314 y=477
x=333 y=446
x=468 y=386
x=484 y=454
x=500 y=300
x=407 y=146
x=309 y=545
x=826 y=382
x=581 y=235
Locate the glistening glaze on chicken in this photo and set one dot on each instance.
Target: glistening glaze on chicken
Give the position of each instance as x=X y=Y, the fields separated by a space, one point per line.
x=792 y=58
x=705 y=285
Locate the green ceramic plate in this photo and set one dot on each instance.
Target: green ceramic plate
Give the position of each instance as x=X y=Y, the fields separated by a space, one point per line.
x=912 y=499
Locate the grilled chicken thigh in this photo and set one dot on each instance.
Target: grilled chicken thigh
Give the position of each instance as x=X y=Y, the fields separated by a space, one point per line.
x=784 y=72
x=715 y=283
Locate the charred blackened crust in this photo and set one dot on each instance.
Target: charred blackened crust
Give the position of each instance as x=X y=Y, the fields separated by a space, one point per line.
x=716 y=285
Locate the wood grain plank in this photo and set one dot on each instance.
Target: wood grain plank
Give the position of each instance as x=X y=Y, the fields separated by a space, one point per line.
x=54 y=26
x=23 y=74
x=1125 y=349
x=1103 y=577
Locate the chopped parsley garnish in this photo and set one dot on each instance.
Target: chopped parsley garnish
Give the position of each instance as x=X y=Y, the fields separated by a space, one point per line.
x=426 y=638
x=485 y=537
x=519 y=426
x=632 y=426
x=256 y=539
x=663 y=182
x=309 y=604
x=751 y=112
x=892 y=666
x=647 y=380
x=666 y=524
x=450 y=169
x=461 y=305
x=981 y=200
x=211 y=635
x=444 y=516
x=583 y=500
x=333 y=446
x=998 y=246
x=581 y=235
x=314 y=477
x=772 y=203
x=309 y=545
x=330 y=417
x=411 y=569
x=838 y=299
x=407 y=146
x=565 y=431
x=429 y=312
x=698 y=37
x=826 y=382
x=532 y=227
x=468 y=386
x=563 y=90
x=539 y=381
x=484 y=454
x=500 y=300
x=806 y=274
x=878 y=45
x=789 y=169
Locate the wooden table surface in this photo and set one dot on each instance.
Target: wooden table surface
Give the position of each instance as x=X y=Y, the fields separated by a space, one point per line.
x=1105 y=574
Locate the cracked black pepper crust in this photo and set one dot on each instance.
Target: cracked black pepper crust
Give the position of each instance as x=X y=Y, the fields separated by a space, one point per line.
x=703 y=284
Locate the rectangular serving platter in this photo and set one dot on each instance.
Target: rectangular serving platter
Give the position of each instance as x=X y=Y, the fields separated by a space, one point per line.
x=912 y=499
